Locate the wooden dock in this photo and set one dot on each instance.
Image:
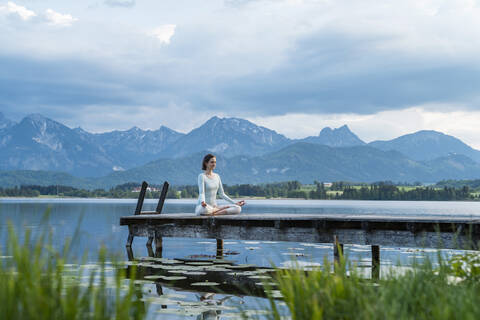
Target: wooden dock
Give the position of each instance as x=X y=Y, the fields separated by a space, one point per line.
x=404 y=231
x=369 y=229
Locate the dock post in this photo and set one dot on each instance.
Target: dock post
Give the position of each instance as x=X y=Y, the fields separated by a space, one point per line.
x=337 y=249
x=138 y=210
x=376 y=262
x=149 y=241
x=158 y=246
x=150 y=252
x=130 y=254
x=129 y=240
x=219 y=248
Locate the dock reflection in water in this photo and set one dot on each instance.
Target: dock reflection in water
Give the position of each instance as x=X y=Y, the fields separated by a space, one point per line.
x=214 y=280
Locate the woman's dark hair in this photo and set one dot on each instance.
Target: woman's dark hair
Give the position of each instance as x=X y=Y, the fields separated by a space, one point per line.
x=206 y=159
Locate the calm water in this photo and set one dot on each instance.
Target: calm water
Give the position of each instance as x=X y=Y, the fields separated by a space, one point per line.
x=96 y=222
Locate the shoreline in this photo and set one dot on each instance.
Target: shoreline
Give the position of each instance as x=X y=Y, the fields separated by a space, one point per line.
x=46 y=197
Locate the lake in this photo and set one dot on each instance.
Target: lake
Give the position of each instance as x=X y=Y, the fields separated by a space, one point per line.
x=95 y=222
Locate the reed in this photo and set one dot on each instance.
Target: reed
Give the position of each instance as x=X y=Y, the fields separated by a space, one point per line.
x=449 y=290
x=37 y=283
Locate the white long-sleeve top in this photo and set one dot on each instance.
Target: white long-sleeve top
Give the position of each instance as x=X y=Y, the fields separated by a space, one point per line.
x=208 y=188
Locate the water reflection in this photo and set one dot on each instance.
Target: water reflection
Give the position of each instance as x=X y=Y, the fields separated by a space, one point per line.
x=213 y=282
x=219 y=275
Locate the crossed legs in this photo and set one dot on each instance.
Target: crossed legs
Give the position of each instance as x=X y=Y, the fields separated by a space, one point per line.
x=217 y=211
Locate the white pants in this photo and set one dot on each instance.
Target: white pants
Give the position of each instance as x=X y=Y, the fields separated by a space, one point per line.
x=209 y=210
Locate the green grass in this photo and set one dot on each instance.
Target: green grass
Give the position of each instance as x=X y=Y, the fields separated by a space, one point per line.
x=36 y=283
x=448 y=291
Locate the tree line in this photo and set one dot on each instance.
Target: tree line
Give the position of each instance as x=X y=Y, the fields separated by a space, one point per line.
x=289 y=189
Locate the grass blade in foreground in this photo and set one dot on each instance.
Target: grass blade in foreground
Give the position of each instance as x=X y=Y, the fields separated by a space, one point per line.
x=34 y=284
x=423 y=292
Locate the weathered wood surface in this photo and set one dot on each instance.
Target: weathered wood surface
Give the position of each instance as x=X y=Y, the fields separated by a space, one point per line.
x=406 y=231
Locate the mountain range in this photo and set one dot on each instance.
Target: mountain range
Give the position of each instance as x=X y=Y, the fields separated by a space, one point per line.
x=427 y=145
x=246 y=153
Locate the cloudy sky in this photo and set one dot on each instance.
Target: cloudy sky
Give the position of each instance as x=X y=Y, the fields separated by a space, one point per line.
x=385 y=68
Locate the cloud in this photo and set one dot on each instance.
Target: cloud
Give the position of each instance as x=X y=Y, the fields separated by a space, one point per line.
x=256 y=59
x=50 y=16
x=71 y=84
x=22 y=12
x=163 y=33
x=59 y=19
x=125 y=117
x=120 y=3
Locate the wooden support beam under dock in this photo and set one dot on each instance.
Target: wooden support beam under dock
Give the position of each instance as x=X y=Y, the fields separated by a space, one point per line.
x=401 y=231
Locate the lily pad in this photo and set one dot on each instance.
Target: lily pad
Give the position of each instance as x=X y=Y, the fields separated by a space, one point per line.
x=225 y=261
x=241 y=273
x=153 y=277
x=217 y=269
x=181 y=312
x=176 y=271
x=205 y=284
x=308 y=244
x=147 y=258
x=173 y=278
x=164 y=267
x=199 y=263
x=166 y=260
x=145 y=264
x=160 y=300
x=259 y=277
x=142 y=281
x=195 y=273
x=241 y=266
x=173 y=296
x=265 y=270
x=222 y=265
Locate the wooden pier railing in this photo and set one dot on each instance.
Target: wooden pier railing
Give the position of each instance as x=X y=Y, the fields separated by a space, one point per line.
x=138 y=209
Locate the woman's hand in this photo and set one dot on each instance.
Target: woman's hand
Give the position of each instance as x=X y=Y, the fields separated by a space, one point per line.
x=240 y=203
x=204 y=204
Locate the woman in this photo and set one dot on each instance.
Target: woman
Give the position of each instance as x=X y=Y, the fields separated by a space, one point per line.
x=209 y=184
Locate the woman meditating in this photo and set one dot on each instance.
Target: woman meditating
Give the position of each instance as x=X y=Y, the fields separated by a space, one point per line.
x=209 y=184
